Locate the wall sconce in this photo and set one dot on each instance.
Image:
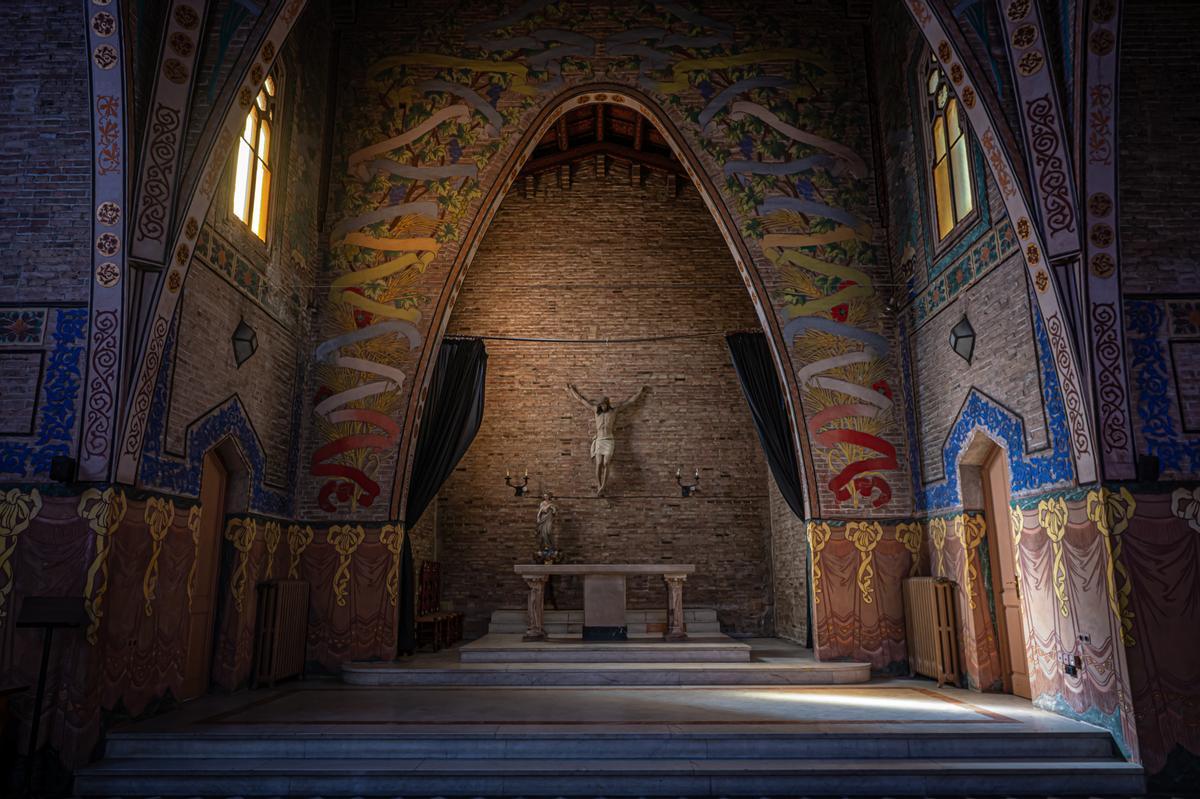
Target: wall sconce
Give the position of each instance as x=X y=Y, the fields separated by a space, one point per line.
x=518 y=488
x=962 y=339
x=245 y=342
x=685 y=489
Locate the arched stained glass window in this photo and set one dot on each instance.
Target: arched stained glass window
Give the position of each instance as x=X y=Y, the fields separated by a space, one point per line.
x=949 y=153
x=252 y=173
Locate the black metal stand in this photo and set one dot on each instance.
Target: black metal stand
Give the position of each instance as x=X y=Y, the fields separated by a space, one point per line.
x=47 y=613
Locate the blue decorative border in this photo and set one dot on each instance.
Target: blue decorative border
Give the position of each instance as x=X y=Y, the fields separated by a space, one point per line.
x=181 y=476
x=1028 y=472
x=1152 y=380
x=59 y=401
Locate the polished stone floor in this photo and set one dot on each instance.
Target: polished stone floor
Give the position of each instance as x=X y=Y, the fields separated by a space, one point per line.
x=316 y=706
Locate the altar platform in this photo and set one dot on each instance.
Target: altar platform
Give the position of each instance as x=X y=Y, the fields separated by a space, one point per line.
x=638 y=662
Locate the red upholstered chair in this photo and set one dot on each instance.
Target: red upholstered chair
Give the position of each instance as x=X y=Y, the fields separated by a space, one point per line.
x=434 y=627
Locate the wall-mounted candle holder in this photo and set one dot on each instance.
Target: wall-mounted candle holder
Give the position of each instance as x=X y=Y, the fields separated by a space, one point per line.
x=688 y=489
x=518 y=488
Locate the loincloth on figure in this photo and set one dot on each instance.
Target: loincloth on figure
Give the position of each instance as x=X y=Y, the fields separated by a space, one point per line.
x=603 y=446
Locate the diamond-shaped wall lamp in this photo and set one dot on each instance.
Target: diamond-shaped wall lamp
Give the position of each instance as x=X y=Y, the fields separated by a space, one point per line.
x=962 y=339
x=245 y=342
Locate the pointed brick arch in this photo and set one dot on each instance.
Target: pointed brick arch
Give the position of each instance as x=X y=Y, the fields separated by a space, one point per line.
x=550 y=113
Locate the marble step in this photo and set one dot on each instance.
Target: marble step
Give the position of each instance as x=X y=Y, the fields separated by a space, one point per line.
x=611 y=777
x=610 y=674
x=511 y=649
x=560 y=745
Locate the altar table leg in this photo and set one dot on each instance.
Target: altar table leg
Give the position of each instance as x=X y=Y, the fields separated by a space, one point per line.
x=534 y=624
x=675 y=629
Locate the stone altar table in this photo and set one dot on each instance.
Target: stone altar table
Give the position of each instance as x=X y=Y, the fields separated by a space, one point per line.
x=604 y=596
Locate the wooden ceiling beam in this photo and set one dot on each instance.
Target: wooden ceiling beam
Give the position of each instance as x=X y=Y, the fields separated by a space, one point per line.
x=612 y=149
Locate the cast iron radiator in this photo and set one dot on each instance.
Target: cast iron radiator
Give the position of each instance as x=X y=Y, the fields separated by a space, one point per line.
x=932 y=633
x=281 y=630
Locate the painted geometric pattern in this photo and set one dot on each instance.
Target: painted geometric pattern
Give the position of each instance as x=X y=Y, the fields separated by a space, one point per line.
x=989 y=251
x=224 y=258
x=1146 y=322
x=57 y=412
x=1028 y=472
x=181 y=476
x=22 y=326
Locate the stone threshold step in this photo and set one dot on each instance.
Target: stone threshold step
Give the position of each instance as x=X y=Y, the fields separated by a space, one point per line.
x=567 y=745
x=610 y=674
x=145 y=777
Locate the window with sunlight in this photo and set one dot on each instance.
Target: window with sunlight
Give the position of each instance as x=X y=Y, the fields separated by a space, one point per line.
x=252 y=175
x=949 y=154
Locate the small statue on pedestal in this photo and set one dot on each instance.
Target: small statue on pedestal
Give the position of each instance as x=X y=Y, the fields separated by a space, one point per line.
x=546 y=513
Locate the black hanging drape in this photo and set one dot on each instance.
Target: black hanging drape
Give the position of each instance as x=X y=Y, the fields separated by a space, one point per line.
x=453 y=412
x=756 y=372
x=760 y=384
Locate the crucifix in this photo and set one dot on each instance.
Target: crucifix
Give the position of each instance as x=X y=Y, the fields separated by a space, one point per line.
x=603 y=442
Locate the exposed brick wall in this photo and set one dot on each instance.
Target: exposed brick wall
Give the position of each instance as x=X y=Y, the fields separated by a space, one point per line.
x=1004 y=366
x=45 y=158
x=789 y=567
x=20 y=374
x=1158 y=120
x=600 y=260
x=206 y=373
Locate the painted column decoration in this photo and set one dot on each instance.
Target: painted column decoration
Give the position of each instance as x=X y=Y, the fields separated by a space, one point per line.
x=1097 y=129
x=162 y=144
x=1033 y=248
x=181 y=253
x=101 y=391
x=1042 y=119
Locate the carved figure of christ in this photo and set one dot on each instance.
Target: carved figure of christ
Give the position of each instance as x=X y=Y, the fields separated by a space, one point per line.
x=604 y=442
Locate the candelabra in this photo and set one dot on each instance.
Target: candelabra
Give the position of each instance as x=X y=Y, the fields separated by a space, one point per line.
x=688 y=489
x=518 y=488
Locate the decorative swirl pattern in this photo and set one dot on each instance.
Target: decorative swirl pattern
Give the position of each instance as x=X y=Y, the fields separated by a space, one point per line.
x=272 y=532
x=1114 y=422
x=145 y=390
x=1111 y=511
x=241 y=533
x=159 y=171
x=937 y=534
x=970 y=529
x=1070 y=385
x=298 y=540
x=1053 y=181
x=818 y=536
x=1052 y=514
x=865 y=536
x=193 y=524
x=17 y=510
x=345 y=539
x=911 y=534
x=392 y=537
x=159 y=515
x=101 y=398
x=103 y=511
